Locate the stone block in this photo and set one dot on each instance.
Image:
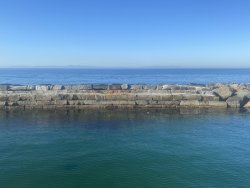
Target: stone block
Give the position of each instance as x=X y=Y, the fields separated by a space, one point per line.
x=75 y=102
x=100 y=87
x=115 y=87
x=90 y=102
x=190 y=103
x=31 y=87
x=25 y=97
x=42 y=97
x=141 y=102
x=61 y=102
x=136 y=87
x=57 y=87
x=13 y=97
x=192 y=97
x=167 y=97
x=168 y=87
x=42 y=87
x=177 y=97
x=63 y=97
x=210 y=98
x=67 y=87
x=3 y=98
x=144 y=97
x=4 y=87
x=99 y=97
x=90 y=96
x=125 y=86
x=184 y=92
x=45 y=102
x=150 y=87
x=79 y=96
x=115 y=97
x=156 y=97
x=18 y=88
x=217 y=104
x=171 y=104
x=204 y=103
x=81 y=87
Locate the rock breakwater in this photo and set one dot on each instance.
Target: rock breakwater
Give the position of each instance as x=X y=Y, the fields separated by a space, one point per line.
x=125 y=95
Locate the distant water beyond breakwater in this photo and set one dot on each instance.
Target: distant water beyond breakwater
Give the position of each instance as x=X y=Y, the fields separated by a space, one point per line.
x=48 y=96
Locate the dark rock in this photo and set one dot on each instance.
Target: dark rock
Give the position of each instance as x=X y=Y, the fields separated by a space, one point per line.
x=236 y=102
x=100 y=87
x=115 y=87
x=197 y=85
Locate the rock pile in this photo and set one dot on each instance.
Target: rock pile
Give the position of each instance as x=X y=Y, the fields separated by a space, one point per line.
x=125 y=95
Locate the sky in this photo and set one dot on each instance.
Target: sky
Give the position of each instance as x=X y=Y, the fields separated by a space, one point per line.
x=125 y=33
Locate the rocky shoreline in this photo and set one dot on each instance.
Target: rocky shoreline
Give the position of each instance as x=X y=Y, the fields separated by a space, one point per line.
x=217 y=95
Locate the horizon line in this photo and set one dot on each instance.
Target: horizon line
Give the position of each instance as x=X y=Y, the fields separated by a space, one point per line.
x=115 y=67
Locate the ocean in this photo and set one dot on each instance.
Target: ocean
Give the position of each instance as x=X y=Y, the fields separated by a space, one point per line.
x=138 y=148
x=130 y=76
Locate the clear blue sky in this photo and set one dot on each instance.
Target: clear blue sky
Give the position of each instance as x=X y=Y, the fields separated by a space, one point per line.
x=125 y=33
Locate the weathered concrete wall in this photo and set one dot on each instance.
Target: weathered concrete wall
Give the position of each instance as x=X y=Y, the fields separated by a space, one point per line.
x=124 y=95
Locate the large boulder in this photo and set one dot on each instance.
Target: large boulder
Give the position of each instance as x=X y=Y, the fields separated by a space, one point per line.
x=243 y=93
x=235 y=102
x=223 y=92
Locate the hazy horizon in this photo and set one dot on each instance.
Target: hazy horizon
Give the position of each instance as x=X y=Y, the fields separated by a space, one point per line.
x=115 y=67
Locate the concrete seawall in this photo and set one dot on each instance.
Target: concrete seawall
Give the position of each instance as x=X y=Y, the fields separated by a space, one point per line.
x=125 y=95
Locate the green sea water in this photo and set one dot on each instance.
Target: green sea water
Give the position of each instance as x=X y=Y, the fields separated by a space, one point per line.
x=124 y=148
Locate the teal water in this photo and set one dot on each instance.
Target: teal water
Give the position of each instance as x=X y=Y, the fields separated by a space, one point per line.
x=170 y=148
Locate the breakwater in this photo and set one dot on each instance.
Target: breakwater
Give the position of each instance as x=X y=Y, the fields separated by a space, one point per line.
x=44 y=96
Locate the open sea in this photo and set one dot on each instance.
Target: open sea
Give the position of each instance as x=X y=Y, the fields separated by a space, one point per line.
x=124 y=148
x=129 y=76
x=157 y=148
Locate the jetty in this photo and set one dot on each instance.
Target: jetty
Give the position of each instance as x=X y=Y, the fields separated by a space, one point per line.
x=49 y=96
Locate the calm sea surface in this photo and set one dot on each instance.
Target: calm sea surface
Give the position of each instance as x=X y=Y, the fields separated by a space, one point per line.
x=109 y=76
x=181 y=148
